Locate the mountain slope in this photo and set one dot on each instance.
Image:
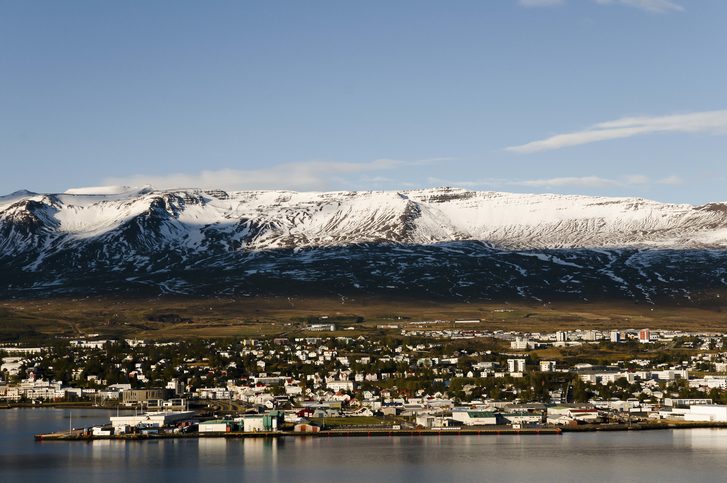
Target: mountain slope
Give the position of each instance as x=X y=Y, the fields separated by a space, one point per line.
x=434 y=243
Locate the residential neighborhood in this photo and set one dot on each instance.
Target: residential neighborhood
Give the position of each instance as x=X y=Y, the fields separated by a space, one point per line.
x=416 y=377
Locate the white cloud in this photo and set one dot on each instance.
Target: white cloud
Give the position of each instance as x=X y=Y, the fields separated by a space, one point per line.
x=670 y=180
x=473 y=184
x=560 y=182
x=707 y=121
x=636 y=179
x=303 y=176
x=540 y=3
x=655 y=6
x=584 y=182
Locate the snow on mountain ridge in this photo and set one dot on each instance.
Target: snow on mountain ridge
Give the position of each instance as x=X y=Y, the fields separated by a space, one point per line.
x=282 y=219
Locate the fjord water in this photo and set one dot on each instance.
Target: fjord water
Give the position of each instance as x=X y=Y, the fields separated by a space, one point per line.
x=643 y=456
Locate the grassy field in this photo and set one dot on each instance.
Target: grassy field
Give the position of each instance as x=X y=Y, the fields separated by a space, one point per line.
x=172 y=318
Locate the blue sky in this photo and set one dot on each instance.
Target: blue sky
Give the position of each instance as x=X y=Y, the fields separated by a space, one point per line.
x=605 y=97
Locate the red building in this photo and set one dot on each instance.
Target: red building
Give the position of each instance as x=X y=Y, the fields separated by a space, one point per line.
x=644 y=336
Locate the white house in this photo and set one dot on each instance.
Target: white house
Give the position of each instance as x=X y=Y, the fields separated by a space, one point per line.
x=340 y=385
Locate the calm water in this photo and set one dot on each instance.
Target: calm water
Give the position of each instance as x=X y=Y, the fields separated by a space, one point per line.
x=686 y=455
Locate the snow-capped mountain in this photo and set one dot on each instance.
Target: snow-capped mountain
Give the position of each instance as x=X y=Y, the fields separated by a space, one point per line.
x=446 y=242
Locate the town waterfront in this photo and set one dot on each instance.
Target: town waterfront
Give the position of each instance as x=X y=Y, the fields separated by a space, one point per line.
x=678 y=455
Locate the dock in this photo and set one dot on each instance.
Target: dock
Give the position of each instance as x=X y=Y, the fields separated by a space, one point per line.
x=336 y=433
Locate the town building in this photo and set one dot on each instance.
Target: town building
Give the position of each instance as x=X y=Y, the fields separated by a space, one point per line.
x=141 y=396
x=516 y=365
x=645 y=336
x=475 y=418
x=122 y=424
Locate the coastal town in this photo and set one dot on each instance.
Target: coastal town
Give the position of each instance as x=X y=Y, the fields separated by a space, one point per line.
x=424 y=376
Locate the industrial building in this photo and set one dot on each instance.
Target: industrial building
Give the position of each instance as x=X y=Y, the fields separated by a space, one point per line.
x=121 y=424
x=475 y=418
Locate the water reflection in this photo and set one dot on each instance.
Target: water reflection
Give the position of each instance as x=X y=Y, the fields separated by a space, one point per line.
x=684 y=455
x=702 y=439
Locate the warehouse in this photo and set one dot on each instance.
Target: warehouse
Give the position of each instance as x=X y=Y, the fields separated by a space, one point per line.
x=153 y=420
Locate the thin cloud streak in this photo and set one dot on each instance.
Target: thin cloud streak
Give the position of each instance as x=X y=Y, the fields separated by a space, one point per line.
x=653 y=6
x=670 y=180
x=541 y=3
x=562 y=182
x=714 y=122
x=303 y=176
x=583 y=182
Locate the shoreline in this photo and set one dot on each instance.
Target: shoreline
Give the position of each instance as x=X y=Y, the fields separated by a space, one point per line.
x=337 y=433
x=643 y=426
x=56 y=405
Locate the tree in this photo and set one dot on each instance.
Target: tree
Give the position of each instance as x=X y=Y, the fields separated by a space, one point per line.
x=580 y=391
